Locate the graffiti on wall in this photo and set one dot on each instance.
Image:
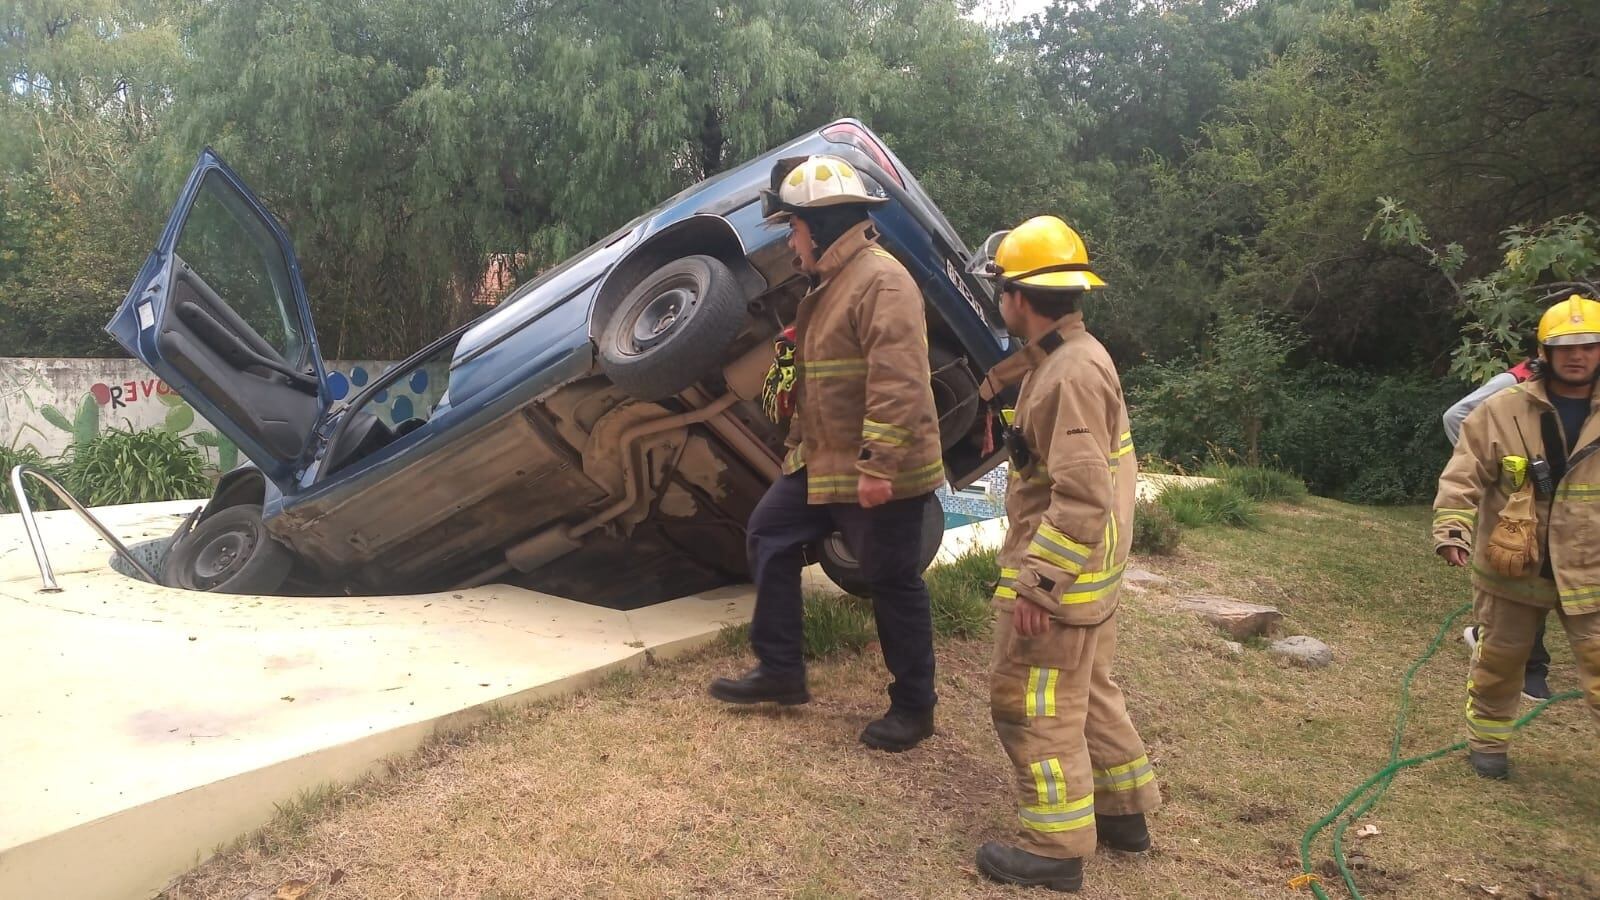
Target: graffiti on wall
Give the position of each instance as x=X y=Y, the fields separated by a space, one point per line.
x=50 y=404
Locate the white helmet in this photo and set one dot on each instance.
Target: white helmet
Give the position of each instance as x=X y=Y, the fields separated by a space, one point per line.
x=812 y=183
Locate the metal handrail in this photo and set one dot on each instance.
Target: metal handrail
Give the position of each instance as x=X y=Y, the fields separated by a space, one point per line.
x=46 y=574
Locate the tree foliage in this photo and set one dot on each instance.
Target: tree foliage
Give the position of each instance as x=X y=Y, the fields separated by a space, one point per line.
x=1222 y=157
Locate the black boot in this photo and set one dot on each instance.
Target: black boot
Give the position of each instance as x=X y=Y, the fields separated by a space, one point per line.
x=1014 y=865
x=898 y=730
x=1126 y=833
x=1490 y=765
x=758 y=687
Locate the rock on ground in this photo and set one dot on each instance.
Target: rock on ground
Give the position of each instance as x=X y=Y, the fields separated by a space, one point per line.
x=1239 y=619
x=1303 y=651
x=1140 y=580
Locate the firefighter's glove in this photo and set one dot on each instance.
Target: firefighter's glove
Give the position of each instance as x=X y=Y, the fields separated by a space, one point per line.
x=1513 y=548
x=777 y=391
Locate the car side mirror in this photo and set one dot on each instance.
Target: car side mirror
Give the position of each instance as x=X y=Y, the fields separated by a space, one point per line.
x=979 y=264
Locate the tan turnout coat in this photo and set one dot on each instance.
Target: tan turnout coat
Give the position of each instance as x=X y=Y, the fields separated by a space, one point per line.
x=1071 y=507
x=1473 y=490
x=863 y=390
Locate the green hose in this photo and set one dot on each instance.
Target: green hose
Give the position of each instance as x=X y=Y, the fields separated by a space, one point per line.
x=1375 y=787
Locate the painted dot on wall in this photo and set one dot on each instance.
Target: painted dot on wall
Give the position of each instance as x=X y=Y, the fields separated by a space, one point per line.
x=358 y=376
x=401 y=409
x=382 y=396
x=419 y=381
x=338 y=385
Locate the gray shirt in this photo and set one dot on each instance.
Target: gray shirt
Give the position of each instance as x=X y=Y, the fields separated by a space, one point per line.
x=1455 y=415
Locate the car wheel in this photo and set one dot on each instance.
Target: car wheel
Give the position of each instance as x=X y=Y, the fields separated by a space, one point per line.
x=673 y=329
x=955 y=396
x=230 y=553
x=842 y=568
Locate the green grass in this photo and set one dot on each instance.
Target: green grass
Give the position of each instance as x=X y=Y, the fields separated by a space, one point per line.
x=837 y=623
x=1220 y=503
x=960 y=592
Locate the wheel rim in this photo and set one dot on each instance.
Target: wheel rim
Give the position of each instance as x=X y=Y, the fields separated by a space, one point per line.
x=657 y=320
x=222 y=557
x=840 y=550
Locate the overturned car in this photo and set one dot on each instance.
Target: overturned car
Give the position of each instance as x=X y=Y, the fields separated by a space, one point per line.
x=599 y=434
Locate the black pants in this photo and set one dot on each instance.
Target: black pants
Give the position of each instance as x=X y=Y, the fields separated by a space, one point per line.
x=1539 y=656
x=885 y=540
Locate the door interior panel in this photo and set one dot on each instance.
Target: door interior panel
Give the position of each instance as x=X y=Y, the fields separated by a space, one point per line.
x=234 y=367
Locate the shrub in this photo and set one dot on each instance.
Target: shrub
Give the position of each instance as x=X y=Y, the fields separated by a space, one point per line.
x=1218 y=503
x=1262 y=483
x=39 y=496
x=129 y=466
x=1155 y=531
x=1351 y=435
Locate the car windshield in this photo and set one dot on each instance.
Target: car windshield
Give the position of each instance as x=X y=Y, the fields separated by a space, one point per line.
x=408 y=398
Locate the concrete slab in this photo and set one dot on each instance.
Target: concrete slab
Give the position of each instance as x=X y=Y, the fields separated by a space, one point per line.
x=143 y=726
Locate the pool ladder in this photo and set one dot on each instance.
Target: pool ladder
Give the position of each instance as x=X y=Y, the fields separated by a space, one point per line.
x=46 y=575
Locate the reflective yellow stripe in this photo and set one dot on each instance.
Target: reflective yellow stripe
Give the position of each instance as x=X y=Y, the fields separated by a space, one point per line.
x=1049 y=782
x=918 y=480
x=1127 y=777
x=1578 y=492
x=1052 y=813
x=881 y=252
x=1443 y=515
x=833 y=368
x=1007 y=588
x=1580 y=599
x=1124 y=445
x=1041 y=699
x=1092 y=586
x=893 y=435
x=1496 y=730
x=1055 y=547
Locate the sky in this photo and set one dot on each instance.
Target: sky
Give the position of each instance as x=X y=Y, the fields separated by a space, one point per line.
x=1007 y=10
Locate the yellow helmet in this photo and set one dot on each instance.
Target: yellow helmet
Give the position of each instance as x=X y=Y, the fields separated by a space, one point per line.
x=1575 y=320
x=814 y=182
x=1043 y=252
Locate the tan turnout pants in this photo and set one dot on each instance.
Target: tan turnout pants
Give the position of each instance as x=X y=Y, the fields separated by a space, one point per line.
x=1505 y=637
x=1065 y=726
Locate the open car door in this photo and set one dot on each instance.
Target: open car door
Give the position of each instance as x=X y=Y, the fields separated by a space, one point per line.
x=219 y=312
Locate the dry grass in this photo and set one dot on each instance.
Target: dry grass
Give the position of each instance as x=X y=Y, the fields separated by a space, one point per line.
x=646 y=788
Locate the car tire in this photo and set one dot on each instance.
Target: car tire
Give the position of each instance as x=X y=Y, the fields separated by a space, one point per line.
x=955 y=396
x=841 y=567
x=230 y=552
x=673 y=329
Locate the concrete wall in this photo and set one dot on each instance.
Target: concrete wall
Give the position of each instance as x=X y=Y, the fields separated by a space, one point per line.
x=49 y=403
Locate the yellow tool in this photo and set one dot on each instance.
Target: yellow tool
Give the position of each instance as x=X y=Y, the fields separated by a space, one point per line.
x=1516 y=467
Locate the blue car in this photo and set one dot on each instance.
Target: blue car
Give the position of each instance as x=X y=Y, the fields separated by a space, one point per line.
x=599 y=434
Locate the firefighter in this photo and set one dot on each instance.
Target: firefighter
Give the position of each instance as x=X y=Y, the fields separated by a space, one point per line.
x=1082 y=775
x=1526 y=473
x=864 y=455
x=1536 y=676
